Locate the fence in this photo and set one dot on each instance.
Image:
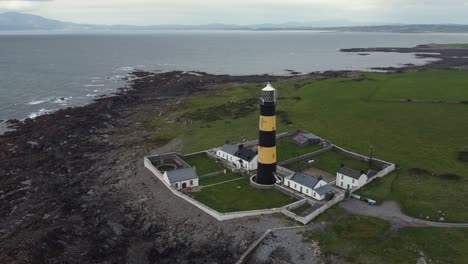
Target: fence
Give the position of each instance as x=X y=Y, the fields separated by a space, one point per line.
x=354 y=155
x=213 y=213
x=305 y=156
x=212 y=175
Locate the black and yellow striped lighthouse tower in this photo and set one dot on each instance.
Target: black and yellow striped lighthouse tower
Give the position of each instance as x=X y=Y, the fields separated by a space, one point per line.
x=267 y=137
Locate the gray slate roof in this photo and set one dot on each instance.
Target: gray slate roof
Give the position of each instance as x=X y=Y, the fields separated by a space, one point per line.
x=305 y=179
x=182 y=175
x=246 y=154
x=230 y=149
x=310 y=136
x=324 y=189
x=350 y=172
x=371 y=173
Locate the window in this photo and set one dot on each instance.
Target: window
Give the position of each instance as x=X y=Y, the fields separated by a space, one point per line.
x=353 y=180
x=176 y=185
x=341 y=176
x=294 y=185
x=314 y=194
x=307 y=190
x=191 y=182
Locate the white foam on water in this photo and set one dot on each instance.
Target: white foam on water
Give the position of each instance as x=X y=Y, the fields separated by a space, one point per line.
x=93 y=85
x=125 y=68
x=40 y=112
x=36 y=102
x=91 y=95
x=62 y=100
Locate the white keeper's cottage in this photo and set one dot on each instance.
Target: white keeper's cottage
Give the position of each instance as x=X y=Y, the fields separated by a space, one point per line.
x=347 y=178
x=181 y=178
x=309 y=185
x=241 y=157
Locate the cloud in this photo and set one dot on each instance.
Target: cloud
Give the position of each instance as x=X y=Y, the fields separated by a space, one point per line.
x=144 y=12
x=19 y=5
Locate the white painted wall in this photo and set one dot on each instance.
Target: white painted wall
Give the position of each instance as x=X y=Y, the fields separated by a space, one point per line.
x=306 y=190
x=178 y=185
x=249 y=166
x=342 y=181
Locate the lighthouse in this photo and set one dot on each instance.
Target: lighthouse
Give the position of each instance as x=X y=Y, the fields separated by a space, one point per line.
x=267 y=137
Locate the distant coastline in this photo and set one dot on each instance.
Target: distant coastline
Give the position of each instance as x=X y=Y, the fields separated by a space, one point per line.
x=13 y=21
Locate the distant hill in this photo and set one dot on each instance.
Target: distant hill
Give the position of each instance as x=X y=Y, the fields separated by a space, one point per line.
x=12 y=21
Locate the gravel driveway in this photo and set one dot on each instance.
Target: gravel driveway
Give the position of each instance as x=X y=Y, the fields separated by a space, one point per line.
x=390 y=211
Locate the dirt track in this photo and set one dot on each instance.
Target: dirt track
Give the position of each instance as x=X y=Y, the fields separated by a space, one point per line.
x=390 y=211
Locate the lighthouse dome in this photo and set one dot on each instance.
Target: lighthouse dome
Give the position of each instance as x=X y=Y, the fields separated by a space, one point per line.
x=268 y=94
x=268 y=88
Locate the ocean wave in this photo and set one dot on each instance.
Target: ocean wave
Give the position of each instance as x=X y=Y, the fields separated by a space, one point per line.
x=125 y=68
x=39 y=113
x=93 y=85
x=62 y=100
x=36 y=102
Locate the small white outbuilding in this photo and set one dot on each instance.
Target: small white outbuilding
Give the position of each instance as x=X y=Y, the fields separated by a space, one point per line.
x=182 y=178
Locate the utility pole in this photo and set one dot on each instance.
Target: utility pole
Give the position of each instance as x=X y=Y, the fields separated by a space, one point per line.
x=371 y=154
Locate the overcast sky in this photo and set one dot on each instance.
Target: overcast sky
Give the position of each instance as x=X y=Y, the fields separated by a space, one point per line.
x=148 y=12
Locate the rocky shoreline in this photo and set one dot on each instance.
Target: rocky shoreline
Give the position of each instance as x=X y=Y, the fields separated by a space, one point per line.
x=445 y=58
x=71 y=191
x=73 y=188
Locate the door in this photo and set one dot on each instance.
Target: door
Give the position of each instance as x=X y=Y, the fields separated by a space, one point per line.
x=184 y=185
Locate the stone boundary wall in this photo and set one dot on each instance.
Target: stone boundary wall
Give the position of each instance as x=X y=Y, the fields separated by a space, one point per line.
x=305 y=156
x=212 y=175
x=255 y=142
x=171 y=155
x=296 y=204
x=289 y=192
x=192 y=154
x=213 y=213
x=354 y=155
x=340 y=197
x=245 y=257
x=252 y=248
x=361 y=198
x=306 y=219
x=381 y=174
x=284 y=170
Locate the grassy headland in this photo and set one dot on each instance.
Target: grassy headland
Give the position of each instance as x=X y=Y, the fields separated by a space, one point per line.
x=427 y=131
x=362 y=239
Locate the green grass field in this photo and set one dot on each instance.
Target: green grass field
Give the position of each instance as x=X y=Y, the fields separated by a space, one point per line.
x=422 y=195
x=355 y=113
x=287 y=149
x=361 y=239
x=226 y=177
x=330 y=162
x=240 y=196
x=203 y=164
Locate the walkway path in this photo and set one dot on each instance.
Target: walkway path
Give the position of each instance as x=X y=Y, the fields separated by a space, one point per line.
x=391 y=212
x=218 y=183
